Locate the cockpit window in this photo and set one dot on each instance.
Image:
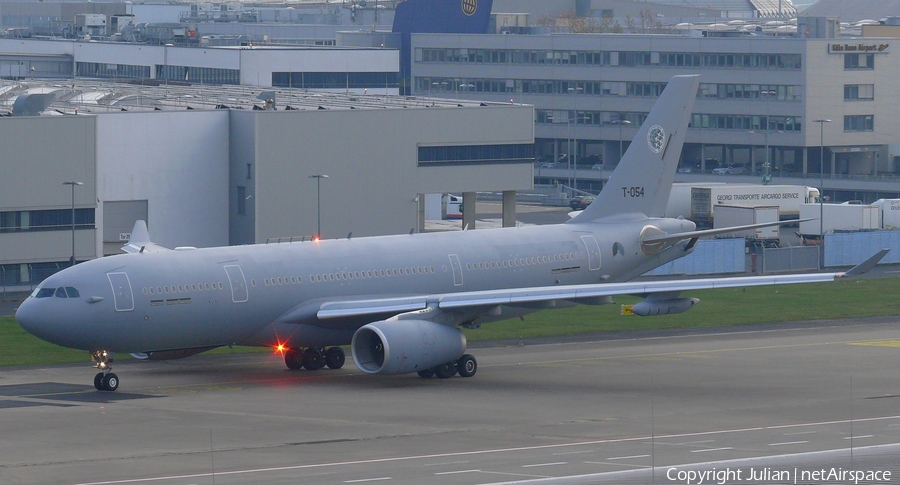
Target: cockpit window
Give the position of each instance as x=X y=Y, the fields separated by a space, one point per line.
x=44 y=292
x=72 y=292
x=61 y=292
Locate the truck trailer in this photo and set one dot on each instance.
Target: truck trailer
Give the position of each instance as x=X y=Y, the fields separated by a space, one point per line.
x=787 y=198
x=736 y=215
x=837 y=218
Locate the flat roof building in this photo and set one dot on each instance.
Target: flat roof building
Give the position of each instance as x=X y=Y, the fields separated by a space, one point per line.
x=207 y=166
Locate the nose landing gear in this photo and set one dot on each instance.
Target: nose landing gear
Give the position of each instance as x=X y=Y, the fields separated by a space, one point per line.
x=105 y=380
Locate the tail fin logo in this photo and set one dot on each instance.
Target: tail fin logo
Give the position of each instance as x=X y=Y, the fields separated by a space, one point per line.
x=655 y=138
x=469 y=7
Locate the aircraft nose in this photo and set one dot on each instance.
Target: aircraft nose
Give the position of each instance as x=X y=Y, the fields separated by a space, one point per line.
x=27 y=315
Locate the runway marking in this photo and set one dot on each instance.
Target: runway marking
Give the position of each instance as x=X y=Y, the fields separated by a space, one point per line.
x=801 y=432
x=878 y=343
x=545 y=464
x=249 y=471
x=627 y=457
x=447 y=463
x=629 y=465
x=788 y=443
x=380 y=479
x=712 y=449
x=859 y=437
x=574 y=453
x=457 y=471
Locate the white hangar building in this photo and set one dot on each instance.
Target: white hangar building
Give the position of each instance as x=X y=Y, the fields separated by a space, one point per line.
x=241 y=173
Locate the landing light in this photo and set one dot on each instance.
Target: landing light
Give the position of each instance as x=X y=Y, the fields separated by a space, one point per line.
x=280 y=348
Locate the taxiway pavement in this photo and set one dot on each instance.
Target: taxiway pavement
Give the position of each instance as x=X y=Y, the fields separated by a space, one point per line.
x=595 y=411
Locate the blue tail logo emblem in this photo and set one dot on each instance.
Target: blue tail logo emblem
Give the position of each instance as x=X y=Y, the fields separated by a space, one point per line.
x=655 y=138
x=469 y=7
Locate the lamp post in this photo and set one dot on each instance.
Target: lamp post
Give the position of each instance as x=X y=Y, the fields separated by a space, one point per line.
x=821 y=123
x=767 y=176
x=621 y=123
x=73 y=184
x=318 y=178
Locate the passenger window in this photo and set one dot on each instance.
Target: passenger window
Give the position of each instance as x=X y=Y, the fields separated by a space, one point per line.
x=72 y=292
x=61 y=292
x=45 y=292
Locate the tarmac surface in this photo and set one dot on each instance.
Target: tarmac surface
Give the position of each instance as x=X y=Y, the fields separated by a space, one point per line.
x=796 y=398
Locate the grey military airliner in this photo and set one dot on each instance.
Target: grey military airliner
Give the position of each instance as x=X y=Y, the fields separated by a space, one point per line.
x=398 y=301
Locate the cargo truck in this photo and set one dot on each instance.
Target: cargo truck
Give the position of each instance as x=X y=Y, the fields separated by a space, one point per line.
x=837 y=218
x=735 y=215
x=890 y=213
x=787 y=198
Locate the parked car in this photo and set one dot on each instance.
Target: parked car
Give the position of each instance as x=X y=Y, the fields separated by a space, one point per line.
x=730 y=170
x=581 y=202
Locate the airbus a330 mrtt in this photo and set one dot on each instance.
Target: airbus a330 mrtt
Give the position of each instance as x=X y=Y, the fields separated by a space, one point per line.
x=398 y=301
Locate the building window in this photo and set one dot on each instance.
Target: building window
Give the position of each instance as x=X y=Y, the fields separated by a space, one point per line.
x=857 y=92
x=241 y=200
x=859 y=61
x=46 y=220
x=198 y=75
x=475 y=154
x=859 y=123
x=335 y=80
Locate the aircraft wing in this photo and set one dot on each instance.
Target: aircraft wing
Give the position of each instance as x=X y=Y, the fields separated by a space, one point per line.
x=524 y=296
x=670 y=238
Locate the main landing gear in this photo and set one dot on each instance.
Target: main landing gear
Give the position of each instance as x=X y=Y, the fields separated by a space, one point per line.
x=465 y=366
x=314 y=358
x=105 y=380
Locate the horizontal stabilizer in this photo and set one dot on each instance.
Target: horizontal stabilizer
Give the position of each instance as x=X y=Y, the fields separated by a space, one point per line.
x=668 y=238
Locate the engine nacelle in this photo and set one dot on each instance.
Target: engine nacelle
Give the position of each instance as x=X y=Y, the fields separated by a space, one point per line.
x=663 y=307
x=404 y=346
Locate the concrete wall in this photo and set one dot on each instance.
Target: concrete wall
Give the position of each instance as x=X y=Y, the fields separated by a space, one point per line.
x=178 y=162
x=38 y=154
x=371 y=158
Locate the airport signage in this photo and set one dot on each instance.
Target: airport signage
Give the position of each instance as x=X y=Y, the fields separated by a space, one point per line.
x=846 y=48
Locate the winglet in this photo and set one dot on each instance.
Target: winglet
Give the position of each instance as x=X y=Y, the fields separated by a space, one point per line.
x=140 y=242
x=865 y=266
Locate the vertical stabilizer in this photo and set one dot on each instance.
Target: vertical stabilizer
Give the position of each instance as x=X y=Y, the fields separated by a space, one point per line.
x=641 y=183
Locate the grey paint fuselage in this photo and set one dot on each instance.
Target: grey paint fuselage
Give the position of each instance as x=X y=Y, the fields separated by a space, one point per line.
x=188 y=299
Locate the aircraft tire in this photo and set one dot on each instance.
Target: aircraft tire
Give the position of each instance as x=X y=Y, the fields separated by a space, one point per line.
x=293 y=359
x=467 y=365
x=98 y=381
x=313 y=359
x=335 y=358
x=426 y=373
x=445 y=371
x=110 y=382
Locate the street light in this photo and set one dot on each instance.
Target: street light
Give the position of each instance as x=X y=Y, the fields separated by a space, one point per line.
x=73 y=184
x=767 y=176
x=318 y=178
x=821 y=123
x=620 y=122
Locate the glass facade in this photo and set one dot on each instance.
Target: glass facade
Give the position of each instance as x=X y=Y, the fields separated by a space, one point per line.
x=46 y=220
x=199 y=75
x=111 y=71
x=335 y=80
x=611 y=58
x=859 y=123
x=475 y=154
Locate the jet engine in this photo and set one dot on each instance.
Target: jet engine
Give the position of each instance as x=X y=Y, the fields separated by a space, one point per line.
x=404 y=346
x=663 y=307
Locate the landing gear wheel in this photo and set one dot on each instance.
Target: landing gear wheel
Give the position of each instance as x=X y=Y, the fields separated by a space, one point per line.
x=334 y=358
x=445 y=371
x=313 y=359
x=426 y=373
x=98 y=381
x=110 y=382
x=293 y=359
x=466 y=366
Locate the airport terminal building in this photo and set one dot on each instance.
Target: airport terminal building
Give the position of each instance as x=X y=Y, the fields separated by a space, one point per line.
x=592 y=92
